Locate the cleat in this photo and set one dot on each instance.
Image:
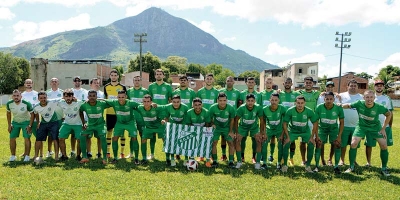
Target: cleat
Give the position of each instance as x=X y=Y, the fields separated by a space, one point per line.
x=27 y=159
x=63 y=158
x=178 y=157
x=122 y=156
x=316 y=170
x=330 y=163
x=137 y=162
x=208 y=164
x=367 y=165
x=108 y=155
x=337 y=170
x=284 y=168
x=129 y=156
x=253 y=160
x=13 y=158
x=349 y=170
x=323 y=163
x=278 y=166
x=114 y=161
x=308 y=169
x=238 y=165
x=214 y=164
x=291 y=162
x=144 y=162
x=72 y=154
x=39 y=160
x=173 y=163
x=270 y=158
x=168 y=162
x=98 y=155
x=78 y=158
x=264 y=166
x=385 y=172
x=150 y=157
x=224 y=158
x=49 y=154
x=84 y=160
x=200 y=159
x=89 y=155
x=231 y=165
x=257 y=166
x=341 y=163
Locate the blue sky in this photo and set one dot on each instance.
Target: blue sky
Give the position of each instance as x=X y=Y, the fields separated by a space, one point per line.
x=276 y=31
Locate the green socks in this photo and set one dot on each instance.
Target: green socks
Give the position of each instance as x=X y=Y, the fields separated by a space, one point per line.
x=337 y=156
x=384 y=158
x=317 y=156
x=239 y=156
x=272 y=149
x=310 y=153
x=352 y=156
x=115 y=148
x=143 y=147
x=83 y=146
x=153 y=144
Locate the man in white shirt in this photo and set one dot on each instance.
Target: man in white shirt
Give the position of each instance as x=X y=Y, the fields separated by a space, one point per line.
x=80 y=94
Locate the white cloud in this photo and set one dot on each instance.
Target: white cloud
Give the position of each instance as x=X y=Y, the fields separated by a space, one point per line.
x=135 y=10
x=206 y=26
x=313 y=57
x=228 y=39
x=68 y=3
x=25 y=30
x=8 y=3
x=5 y=13
x=276 y=49
x=317 y=43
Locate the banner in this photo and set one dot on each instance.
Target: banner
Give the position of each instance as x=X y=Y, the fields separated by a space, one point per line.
x=192 y=141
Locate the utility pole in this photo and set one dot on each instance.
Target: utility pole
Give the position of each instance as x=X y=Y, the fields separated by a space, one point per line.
x=139 y=38
x=342 y=40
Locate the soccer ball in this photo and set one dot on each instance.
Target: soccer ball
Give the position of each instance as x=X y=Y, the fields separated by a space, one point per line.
x=192 y=165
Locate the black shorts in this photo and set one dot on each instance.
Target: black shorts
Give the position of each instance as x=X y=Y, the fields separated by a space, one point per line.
x=111 y=120
x=49 y=128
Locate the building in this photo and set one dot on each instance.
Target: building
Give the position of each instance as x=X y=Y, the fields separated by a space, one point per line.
x=127 y=79
x=276 y=75
x=42 y=70
x=362 y=82
x=196 y=80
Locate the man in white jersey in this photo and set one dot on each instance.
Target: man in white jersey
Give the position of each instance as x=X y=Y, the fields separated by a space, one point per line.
x=95 y=85
x=80 y=94
x=350 y=115
x=387 y=102
x=31 y=96
x=21 y=112
x=53 y=93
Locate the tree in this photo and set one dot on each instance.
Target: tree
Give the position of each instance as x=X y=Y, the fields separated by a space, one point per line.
x=10 y=73
x=195 y=67
x=364 y=75
x=253 y=73
x=176 y=64
x=149 y=64
x=25 y=67
x=214 y=69
x=322 y=83
x=391 y=70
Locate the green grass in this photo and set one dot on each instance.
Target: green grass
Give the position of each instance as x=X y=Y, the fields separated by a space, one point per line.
x=155 y=181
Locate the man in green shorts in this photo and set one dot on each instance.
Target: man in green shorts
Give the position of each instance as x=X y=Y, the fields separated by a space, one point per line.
x=125 y=122
x=273 y=118
x=72 y=123
x=222 y=117
x=370 y=126
x=233 y=96
x=95 y=125
x=175 y=112
x=152 y=117
x=328 y=114
x=248 y=115
x=21 y=112
x=295 y=125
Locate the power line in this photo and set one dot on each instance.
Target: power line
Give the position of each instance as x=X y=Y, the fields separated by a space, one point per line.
x=363 y=57
x=332 y=54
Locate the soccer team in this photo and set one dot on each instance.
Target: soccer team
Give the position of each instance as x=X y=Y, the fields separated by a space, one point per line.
x=268 y=117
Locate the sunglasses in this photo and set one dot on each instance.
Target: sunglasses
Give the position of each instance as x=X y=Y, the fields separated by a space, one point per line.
x=68 y=94
x=77 y=80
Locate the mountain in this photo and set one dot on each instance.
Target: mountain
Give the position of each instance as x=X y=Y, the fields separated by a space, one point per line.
x=166 y=36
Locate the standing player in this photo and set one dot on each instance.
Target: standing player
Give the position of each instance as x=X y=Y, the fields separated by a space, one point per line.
x=161 y=93
x=328 y=114
x=350 y=116
x=311 y=97
x=136 y=94
x=175 y=112
x=369 y=126
x=152 y=117
x=94 y=110
x=251 y=84
x=387 y=102
x=287 y=98
x=95 y=85
x=273 y=118
x=53 y=93
x=208 y=94
x=265 y=101
x=187 y=94
x=295 y=125
x=233 y=96
x=21 y=112
x=248 y=115
x=125 y=122
x=111 y=92
x=222 y=117
x=81 y=94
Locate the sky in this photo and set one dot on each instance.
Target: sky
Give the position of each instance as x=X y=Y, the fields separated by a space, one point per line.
x=276 y=31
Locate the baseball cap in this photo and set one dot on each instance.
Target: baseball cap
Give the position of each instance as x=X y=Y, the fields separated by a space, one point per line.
x=330 y=83
x=379 y=82
x=76 y=78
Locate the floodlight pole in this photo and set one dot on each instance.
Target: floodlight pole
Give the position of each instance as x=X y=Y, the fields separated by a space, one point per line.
x=140 y=40
x=341 y=52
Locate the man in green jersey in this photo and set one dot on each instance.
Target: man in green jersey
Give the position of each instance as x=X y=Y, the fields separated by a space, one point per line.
x=222 y=117
x=273 y=117
x=152 y=117
x=208 y=94
x=198 y=116
x=21 y=112
x=251 y=84
x=295 y=124
x=287 y=98
x=95 y=125
x=265 y=101
x=161 y=93
x=233 y=96
x=187 y=94
x=175 y=112
x=369 y=124
x=125 y=122
x=136 y=94
x=248 y=115
x=311 y=97
x=328 y=114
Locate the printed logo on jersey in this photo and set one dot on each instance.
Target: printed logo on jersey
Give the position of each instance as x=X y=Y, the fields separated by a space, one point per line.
x=373 y=113
x=23 y=109
x=140 y=93
x=34 y=98
x=334 y=113
x=304 y=116
x=49 y=109
x=164 y=89
x=153 y=112
x=59 y=95
x=98 y=108
x=75 y=109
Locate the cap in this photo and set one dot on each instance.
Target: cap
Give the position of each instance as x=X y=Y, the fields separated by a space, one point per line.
x=76 y=77
x=379 y=82
x=330 y=83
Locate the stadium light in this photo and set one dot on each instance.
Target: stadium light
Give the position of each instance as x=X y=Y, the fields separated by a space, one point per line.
x=345 y=46
x=139 y=38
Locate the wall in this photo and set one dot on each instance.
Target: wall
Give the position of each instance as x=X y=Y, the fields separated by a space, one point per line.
x=345 y=79
x=65 y=72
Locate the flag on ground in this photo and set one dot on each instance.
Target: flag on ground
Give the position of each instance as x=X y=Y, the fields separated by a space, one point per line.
x=192 y=141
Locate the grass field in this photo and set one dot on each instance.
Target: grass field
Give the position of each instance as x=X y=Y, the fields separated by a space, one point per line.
x=156 y=181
